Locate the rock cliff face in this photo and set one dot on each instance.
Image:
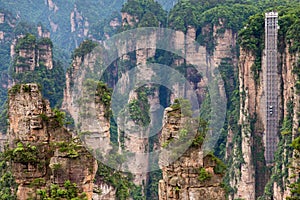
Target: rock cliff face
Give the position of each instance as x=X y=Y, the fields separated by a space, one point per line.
x=107 y=192
x=253 y=174
x=290 y=107
x=2 y=17
x=80 y=106
x=250 y=173
x=246 y=174
x=1 y=35
x=42 y=151
x=184 y=178
x=128 y=19
x=51 y=5
x=44 y=55
x=76 y=77
x=194 y=54
x=32 y=54
x=79 y=24
x=43 y=33
x=140 y=54
x=7 y=23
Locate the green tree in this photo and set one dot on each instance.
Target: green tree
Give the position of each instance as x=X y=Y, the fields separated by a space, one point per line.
x=8 y=185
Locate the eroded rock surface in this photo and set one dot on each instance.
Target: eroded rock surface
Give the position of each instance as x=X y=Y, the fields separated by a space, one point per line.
x=42 y=150
x=181 y=178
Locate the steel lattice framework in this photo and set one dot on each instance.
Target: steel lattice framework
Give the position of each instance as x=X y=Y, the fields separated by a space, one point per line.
x=271 y=82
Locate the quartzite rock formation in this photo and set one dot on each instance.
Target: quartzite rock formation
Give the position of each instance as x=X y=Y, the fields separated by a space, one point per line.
x=42 y=150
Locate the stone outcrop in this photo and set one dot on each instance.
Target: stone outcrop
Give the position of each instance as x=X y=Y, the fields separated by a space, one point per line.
x=29 y=61
x=32 y=55
x=225 y=44
x=128 y=19
x=52 y=5
x=245 y=183
x=195 y=55
x=2 y=18
x=114 y=23
x=79 y=24
x=3 y=140
x=43 y=152
x=181 y=177
x=44 y=56
x=89 y=116
x=76 y=81
x=53 y=25
x=43 y=33
x=103 y=191
x=1 y=35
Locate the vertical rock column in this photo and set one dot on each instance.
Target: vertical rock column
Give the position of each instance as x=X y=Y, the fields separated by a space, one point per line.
x=41 y=149
x=182 y=178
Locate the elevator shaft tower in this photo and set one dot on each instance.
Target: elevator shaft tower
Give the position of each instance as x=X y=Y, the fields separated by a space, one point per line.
x=271 y=86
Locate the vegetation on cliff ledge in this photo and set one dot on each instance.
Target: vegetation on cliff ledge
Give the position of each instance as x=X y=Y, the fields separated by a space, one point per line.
x=139 y=108
x=122 y=182
x=69 y=191
x=100 y=92
x=52 y=81
x=204 y=175
x=85 y=48
x=148 y=12
x=8 y=185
